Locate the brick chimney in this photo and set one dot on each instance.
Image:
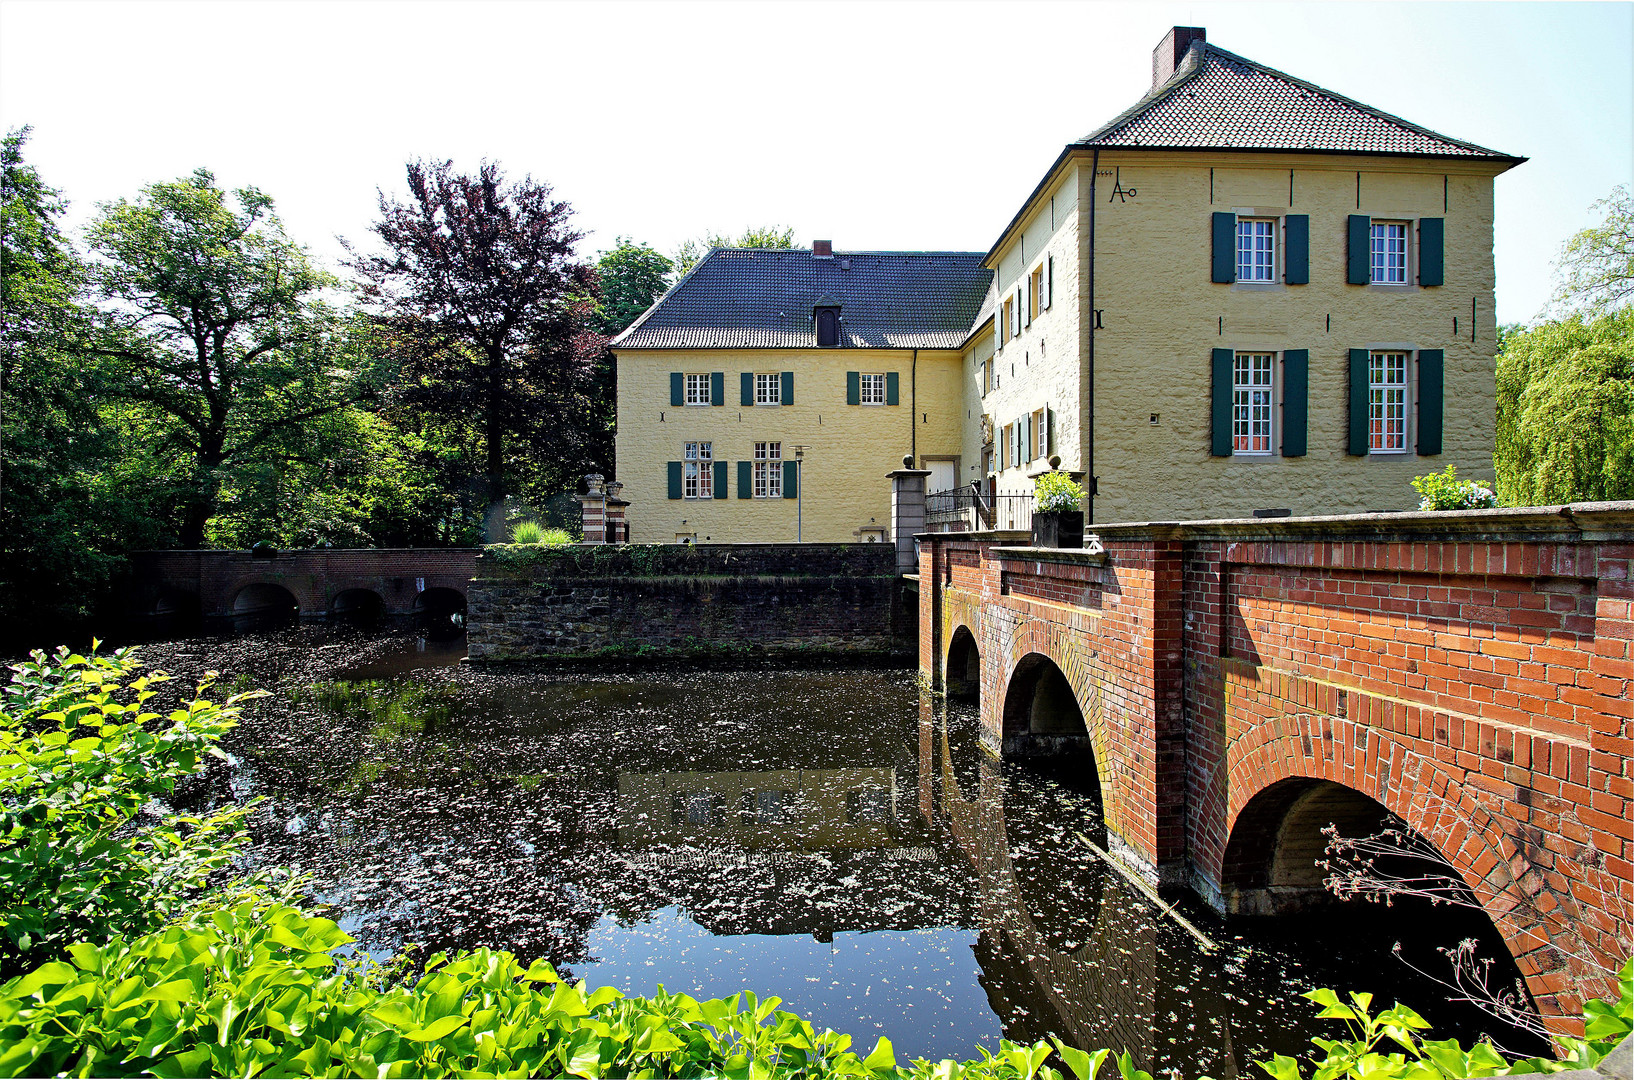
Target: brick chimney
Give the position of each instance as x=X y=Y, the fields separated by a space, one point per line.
x=1171 y=50
x=822 y=249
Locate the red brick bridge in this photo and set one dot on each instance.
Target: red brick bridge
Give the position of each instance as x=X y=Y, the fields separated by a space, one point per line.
x=218 y=587
x=1238 y=685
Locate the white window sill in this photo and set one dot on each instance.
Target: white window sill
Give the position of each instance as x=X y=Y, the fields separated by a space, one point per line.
x=1258 y=286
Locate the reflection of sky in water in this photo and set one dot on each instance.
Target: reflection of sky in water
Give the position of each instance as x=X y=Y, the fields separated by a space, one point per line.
x=917 y=987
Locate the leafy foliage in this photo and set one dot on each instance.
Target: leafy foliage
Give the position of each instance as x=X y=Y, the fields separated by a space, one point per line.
x=80 y=756
x=1566 y=411
x=633 y=276
x=1056 y=491
x=1596 y=266
x=1444 y=491
x=691 y=252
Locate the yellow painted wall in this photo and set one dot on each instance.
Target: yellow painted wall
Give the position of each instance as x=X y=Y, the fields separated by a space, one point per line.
x=853 y=447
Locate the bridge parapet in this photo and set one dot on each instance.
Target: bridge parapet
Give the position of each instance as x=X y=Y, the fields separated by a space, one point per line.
x=1468 y=672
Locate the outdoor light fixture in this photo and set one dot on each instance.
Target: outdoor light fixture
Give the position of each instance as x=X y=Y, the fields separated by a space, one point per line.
x=800 y=493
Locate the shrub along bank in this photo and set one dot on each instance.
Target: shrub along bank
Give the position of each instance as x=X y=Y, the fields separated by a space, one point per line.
x=137 y=965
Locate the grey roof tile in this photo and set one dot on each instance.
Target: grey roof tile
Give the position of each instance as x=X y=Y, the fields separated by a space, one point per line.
x=754 y=298
x=1218 y=100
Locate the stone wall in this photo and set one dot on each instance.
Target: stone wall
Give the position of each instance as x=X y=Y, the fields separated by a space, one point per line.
x=678 y=600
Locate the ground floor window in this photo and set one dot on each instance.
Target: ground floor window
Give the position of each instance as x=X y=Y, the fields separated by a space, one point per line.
x=1387 y=402
x=698 y=473
x=768 y=470
x=1251 y=386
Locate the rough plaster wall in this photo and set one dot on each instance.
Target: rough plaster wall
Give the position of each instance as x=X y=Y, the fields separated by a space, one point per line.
x=853 y=447
x=1164 y=316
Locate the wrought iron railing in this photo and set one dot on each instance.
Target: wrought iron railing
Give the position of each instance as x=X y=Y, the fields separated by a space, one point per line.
x=967 y=509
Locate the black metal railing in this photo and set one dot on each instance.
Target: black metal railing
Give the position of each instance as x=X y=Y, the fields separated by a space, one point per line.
x=968 y=509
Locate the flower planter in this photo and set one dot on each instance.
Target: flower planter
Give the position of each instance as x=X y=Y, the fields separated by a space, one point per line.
x=1058 y=528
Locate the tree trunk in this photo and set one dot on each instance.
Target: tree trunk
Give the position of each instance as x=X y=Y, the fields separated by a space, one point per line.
x=495 y=520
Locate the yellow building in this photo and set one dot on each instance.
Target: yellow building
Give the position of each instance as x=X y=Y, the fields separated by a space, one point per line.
x=1243 y=295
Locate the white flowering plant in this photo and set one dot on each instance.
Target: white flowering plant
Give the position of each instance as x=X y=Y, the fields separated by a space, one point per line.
x=1056 y=492
x=1444 y=491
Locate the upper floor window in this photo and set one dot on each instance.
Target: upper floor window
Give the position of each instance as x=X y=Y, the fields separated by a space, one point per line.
x=698 y=472
x=987 y=376
x=698 y=390
x=873 y=388
x=1256 y=249
x=768 y=388
x=828 y=327
x=1387 y=402
x=1035 y=292
x=768 y=470
x=1388 y=252
x=1251 y=389
x=1009 y=318
x=1041 y=433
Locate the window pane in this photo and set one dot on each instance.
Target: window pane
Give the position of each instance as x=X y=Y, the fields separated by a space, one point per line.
x=1256 y=250
x=1251 y=404
x=1387 y=401
x=768 y=389
x=1389 y=253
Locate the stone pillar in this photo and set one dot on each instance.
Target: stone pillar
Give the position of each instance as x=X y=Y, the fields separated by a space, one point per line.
x=593 y=510
x=618 y=521
x=907 y=514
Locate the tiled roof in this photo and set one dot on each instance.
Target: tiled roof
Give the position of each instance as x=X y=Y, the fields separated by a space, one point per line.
x=753 y=298
x=1219 y=100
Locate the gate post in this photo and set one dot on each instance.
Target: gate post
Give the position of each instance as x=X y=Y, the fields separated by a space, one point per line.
x=907 y=513
x=593 y=510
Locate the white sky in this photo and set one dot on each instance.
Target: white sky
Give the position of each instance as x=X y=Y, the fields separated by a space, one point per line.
x=876 y=125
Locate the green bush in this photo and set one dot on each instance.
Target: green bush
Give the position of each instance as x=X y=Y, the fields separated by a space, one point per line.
x=1056 y=491
x=1444 y=491
x=79 y=758
x=532 y=534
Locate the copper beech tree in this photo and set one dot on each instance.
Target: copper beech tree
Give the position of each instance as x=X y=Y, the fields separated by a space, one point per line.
x=492 y=315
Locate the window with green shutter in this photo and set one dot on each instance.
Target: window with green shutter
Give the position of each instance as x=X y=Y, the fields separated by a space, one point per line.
x=1358 y=249
x=677 y=389
x=720 y=481
x=1356 y=443
x=1296 y=255
x=1430 y=234
x=745 y=483
x=1430 y=364
x=1225 y=247
x=791 y=479
x=853 y=388
x=717 y=388
x=788 y=388
x=674 y=479
x=1220 y=402
x=746 y=388
x=1296 y=365
x=893 y=388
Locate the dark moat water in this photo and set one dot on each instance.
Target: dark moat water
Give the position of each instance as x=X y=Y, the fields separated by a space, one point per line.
x=828 y=837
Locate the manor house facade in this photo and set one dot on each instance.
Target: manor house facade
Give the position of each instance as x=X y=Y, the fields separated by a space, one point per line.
x=1243 y=295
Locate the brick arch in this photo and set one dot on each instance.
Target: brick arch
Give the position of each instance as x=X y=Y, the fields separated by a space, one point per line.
x=981 y=647
x=1431 y=801
x=310 y=600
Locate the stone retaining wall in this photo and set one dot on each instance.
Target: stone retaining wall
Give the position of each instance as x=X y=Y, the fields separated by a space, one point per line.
x=681 y=600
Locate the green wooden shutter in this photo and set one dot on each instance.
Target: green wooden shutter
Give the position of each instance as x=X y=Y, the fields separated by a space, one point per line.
x=1430 y=233
x=853 y=388
x=1430 y=366
x=791 y=479
x=1296 y=254
x=717 y=388
x=893 y=388
x=746 y=388
x=1296 y=365
x=788 y=388
x=1220 y=407
x=1225 y=247
x=1027 y=450
x=746 y=480
x=1358 y=403
x=1027 y=312
x=675 y=479
x=1358 y=268
x=720 y=481
x=677 y=389
x=1049 y=281
x=1049 y=430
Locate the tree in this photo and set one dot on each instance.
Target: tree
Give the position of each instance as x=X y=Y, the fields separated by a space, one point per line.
x=493 y=315
x=1596 y=267
x=691 y=252
x=633 y=277
x=213 y=323
x=1566 y=411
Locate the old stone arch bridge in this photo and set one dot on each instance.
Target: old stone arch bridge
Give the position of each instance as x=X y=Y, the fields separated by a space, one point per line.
x=1239 y=685
x=216 y=588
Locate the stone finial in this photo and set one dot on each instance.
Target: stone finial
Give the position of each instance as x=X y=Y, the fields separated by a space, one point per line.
x=613 y=489
x=907 y=461
x=1055 y=461
x=593 y=482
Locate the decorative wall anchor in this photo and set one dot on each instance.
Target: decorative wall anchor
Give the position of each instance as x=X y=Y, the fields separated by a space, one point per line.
x=1119 y=192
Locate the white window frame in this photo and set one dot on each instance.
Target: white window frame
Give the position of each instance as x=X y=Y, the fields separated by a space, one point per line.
x=698 y=470
x=697 y=388
x=1253 y=403
x=871 y=387
x=1257 y=250
x=1009 y=320
x=768 y=470
x=1381 y=257
x=1041 y=433
x=1035 y=287
x=768 y=388
x=1389 y=399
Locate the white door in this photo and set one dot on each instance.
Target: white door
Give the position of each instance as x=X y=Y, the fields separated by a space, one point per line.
x=944 y=475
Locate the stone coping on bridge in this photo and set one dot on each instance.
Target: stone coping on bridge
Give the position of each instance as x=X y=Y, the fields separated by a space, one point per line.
x=1084 y=556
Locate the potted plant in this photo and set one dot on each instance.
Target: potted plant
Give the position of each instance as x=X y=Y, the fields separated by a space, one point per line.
x=1058 y=509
